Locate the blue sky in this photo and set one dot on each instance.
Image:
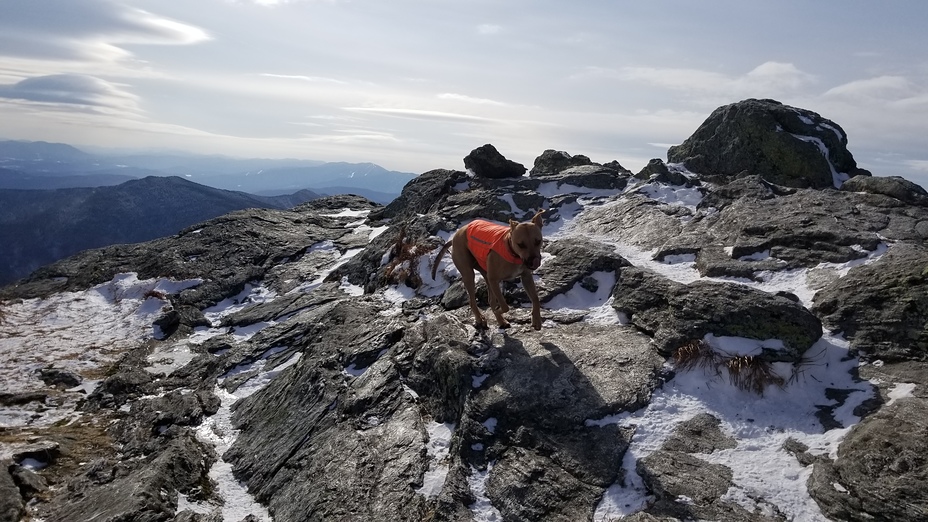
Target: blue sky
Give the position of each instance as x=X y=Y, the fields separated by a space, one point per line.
x=414 y=85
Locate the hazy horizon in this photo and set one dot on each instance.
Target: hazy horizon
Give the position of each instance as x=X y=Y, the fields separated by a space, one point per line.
x=414 y=85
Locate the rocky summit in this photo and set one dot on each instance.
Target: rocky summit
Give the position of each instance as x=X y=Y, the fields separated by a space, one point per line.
x=739 y=333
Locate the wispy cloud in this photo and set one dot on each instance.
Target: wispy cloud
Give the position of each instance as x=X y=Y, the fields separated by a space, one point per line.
x=768 y=79
x=489 y=29
x=71 y=89
x=887 y=87
x=470 y=99
x=769 y=76
x=920 y=165
x=94 y=30
x=417 y=114
x=312 y=79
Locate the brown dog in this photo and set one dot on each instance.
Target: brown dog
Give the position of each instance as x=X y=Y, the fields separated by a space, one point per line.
x=500 y=253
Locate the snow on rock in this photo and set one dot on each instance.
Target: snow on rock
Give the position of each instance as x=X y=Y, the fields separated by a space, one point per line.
x=81 y=332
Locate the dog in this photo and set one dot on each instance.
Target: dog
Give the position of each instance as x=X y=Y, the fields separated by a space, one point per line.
x=499 y=253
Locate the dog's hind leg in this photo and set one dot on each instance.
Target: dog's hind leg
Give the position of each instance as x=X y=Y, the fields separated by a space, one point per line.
x=497 y=302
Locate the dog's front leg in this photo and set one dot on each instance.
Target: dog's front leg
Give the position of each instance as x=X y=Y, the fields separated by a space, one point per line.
x=528 y=283
x=497 y=301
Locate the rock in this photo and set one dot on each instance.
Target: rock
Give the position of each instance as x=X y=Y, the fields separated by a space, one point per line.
x=140 y=491
x=357 y=445
x=12 y=507
x=674 y=313
x=29 y=482
x=766 y=138
x=892 y=186
x=554 y=161
x=118 y=389
x=658 y=172
x=420 y=195
x=880 y=471
x=689 y=488
x=598 y=177
x=700 y=434
x=227 y=252
x=621 y=220
x=487 y=162
x=58 y=377
x=882 y=307
x=576 y=261
x=746 y=186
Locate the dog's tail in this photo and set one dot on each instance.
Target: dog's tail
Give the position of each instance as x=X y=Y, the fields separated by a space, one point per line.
x=441 y=254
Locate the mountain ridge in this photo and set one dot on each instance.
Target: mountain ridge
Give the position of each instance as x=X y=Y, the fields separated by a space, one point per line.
x=715 y=346
x=41 y=159
x=41 y=226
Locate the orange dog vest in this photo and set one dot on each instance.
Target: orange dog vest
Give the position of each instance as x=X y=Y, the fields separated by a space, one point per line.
x=483 y=236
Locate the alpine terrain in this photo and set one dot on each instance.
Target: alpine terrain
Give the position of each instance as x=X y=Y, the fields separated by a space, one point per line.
x=738 y=333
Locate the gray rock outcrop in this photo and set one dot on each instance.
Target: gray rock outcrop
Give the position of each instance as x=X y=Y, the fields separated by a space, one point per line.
x=487 y=162
x=892 y=186
x=784 y=145
x=674 y=314
x=359 y=390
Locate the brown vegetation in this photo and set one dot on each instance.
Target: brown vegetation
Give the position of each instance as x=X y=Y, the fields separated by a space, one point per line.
x=747 y=372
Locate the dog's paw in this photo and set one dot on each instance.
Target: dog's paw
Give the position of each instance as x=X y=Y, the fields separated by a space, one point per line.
x=536 y=322
x=504 y=324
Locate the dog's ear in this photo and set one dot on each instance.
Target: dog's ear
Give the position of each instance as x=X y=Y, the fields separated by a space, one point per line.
x=513 y=223
x=537 y=219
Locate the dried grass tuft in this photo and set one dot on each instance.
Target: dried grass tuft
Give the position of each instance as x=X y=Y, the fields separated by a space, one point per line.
x=157 y=295
x=747 y=372
x=695 y=354
x=404 y=262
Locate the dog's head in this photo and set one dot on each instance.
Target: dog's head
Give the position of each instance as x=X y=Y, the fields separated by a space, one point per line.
x=525 y=239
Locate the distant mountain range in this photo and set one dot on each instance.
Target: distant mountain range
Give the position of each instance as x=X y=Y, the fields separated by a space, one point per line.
x=42 y=165
x=38 y=227
x=56 y=200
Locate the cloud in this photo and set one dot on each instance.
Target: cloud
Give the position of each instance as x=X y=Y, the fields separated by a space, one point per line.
x=312 y=79
x=767 y=79
x=882 y=87
x=82 y=30
x=489 y=29
x=71 y=89
x=470 y=99
x=920 y=165
x=417 y=114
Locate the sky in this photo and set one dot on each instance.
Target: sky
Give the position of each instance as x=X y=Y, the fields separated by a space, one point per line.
x=414 y=85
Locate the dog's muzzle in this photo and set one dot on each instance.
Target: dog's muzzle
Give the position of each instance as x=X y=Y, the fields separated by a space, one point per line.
x=532 y=262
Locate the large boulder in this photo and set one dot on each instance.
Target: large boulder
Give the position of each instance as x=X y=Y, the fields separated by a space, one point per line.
x=881 y=471
x=487 y=162
x=892 y=186
x=784 y=145
x=882 y=308
x=554 y=161
x=12 y=506
x=675 y=314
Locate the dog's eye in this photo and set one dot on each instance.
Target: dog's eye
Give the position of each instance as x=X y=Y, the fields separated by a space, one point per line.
x=521 y=245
